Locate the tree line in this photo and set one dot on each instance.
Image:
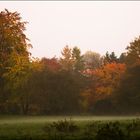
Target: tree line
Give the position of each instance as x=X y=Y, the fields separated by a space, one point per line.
x=75 y=83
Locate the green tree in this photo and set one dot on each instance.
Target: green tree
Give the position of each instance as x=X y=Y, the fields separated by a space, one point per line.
x=78 y=59
x=133 y=51
x=66 y=60
x=57 y=92
x=110 y=58
x=128 y=94
x=122 y=58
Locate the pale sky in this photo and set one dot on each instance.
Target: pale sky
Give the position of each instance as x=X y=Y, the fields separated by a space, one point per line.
x=98 y=26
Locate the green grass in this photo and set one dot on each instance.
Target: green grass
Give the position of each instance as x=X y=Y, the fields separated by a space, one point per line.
x=27 y=127
x=46 y=119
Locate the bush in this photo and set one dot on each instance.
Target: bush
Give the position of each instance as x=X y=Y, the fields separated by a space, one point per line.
x=110 y=131
x=65 y=126
x=62 y=126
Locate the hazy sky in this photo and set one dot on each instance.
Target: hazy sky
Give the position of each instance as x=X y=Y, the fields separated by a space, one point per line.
x=92 y=25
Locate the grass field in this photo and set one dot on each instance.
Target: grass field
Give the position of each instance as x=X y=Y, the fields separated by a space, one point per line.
x=46 y=119
x=38 y=127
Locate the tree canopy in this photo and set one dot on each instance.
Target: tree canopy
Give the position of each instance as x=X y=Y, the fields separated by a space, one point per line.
x=73 y=83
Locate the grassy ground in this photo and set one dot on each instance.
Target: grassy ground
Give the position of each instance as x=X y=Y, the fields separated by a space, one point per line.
x=40 y=127
x=46 y=119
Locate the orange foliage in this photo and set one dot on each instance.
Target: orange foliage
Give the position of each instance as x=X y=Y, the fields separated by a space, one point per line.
x=105 y=80
x=52 y=64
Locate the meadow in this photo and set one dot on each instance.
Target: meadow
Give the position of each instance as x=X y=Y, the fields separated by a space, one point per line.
x=69 y=127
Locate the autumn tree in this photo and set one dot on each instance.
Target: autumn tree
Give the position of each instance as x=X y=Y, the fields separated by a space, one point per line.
x=108 y=78
x=105 y=81
x=51 y=64
x=12 y=38
x=14 y=53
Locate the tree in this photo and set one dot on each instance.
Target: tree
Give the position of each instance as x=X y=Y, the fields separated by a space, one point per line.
x=78 y=59
x=66 y=60
x=71 y=59
x=122 y=58
x=18 y=84
x=110 y=58
x=57 y=92
x=108 y=78
x=12 y=37
x=128 y=93
x=51 y=64
x=105 y=81
x=13 y=50
x=133 y=51
x=92 y=60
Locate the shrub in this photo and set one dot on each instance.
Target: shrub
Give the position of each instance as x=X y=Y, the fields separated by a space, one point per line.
x=110 y=131
x=65 y=126
x=62 y=126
